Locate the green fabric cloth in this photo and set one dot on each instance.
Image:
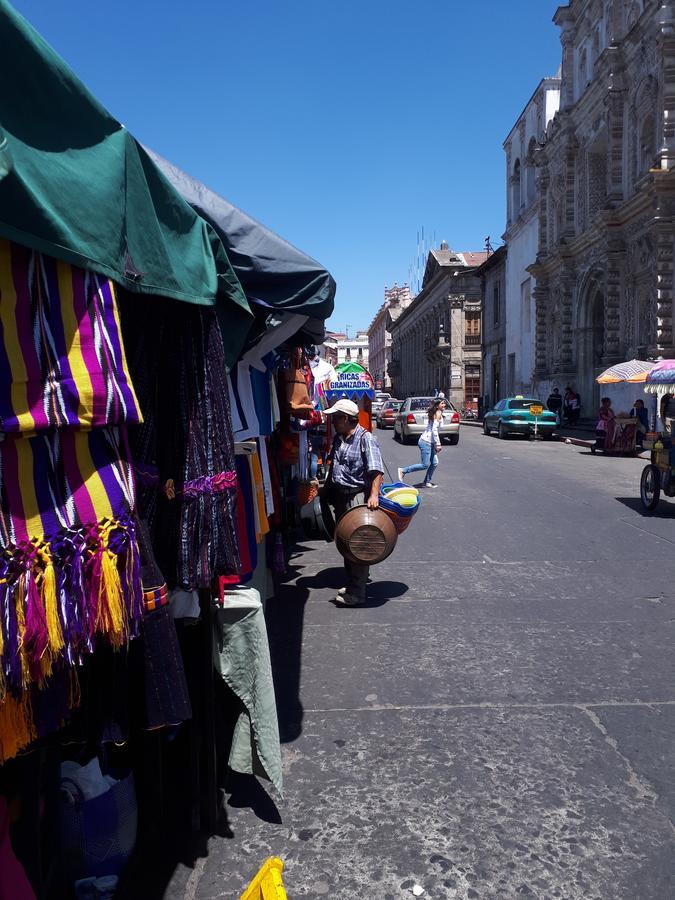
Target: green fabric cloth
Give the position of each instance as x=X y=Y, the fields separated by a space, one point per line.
x=242 y=658
x=74 y=184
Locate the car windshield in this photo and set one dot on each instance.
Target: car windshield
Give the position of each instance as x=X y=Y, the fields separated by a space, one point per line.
x=523 y=404
x=420 y=403
x=393 y=405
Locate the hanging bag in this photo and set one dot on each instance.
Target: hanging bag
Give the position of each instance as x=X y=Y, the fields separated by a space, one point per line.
x=296 y=393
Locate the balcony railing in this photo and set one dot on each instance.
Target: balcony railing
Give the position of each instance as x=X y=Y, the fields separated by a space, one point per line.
x=472 y=340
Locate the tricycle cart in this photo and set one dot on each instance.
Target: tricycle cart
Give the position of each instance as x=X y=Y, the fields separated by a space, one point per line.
x=659 y=475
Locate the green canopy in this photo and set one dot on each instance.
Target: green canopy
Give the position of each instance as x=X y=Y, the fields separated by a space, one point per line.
x=74 y=184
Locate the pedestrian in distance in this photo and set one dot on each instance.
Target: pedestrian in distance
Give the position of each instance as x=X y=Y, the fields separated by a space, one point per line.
x=569 y=405
x=429 y=444
x=354 y=479
x=554 y=403
x=604 y=429
x=639 y=412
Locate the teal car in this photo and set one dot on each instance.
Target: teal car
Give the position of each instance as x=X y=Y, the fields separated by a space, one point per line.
x=515 y=415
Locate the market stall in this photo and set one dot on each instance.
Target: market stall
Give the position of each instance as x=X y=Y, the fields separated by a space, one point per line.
x=143 y=491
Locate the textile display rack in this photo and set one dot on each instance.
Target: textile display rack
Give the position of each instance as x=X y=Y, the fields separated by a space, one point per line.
x=149 y=467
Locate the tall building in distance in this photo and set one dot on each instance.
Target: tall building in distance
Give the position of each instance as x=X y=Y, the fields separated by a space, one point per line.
x=339 y=348
x=396 y=299
x=436 y=340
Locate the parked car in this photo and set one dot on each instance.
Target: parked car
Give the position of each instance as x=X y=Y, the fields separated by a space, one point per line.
x=385 y=417
x=512 y=416
x=411 y=420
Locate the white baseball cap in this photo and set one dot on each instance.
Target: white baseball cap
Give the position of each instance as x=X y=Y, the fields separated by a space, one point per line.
x=348 y=407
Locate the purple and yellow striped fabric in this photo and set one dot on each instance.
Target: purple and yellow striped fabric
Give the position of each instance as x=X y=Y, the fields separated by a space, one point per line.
x=69 y=557
x=62 y=362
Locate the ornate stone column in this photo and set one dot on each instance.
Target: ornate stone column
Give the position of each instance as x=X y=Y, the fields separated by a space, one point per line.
x=567 y=284
x=571 y=150
x=565 y=20
x=616 y=263
x=664 y=223
x=666 y=44
x=543 y=182
x=615 y=104
x=541 y=295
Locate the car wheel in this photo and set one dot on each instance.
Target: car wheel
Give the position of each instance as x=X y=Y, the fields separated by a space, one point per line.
x=502 y=432
x=406 y=438
x=650 y=487
x=486 y=430
x=453 y=440
x=396 y=435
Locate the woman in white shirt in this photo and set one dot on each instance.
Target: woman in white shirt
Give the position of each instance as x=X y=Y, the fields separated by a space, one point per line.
x=429 y=444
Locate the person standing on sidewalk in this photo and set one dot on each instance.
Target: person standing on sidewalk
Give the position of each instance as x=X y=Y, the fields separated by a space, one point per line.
x=429 y=444
x=354 y=479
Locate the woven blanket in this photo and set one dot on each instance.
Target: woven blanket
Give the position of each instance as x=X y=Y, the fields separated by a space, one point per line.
x=62 y=361
x=69 y=559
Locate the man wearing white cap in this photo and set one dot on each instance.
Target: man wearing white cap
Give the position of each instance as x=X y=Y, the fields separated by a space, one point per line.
x=354 y=479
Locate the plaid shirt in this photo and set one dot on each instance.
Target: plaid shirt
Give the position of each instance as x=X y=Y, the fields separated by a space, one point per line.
x=354 y=458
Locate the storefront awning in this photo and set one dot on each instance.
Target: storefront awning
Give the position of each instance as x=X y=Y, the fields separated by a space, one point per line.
x=276 y=277
x=74 y=184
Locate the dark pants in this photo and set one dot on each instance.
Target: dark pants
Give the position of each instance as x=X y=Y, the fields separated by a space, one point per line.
x=357 y=575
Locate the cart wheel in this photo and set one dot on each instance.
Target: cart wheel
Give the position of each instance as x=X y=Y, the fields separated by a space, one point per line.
x=650 y=487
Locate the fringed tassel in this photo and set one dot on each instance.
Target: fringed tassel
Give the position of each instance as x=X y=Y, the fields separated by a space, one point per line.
x=12 y=655
x=49 y=597
x=112 y=614
x=21 y=607
x=17 y=729
x=133 y=588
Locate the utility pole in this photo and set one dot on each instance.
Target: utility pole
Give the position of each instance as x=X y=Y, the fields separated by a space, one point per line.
x=488 y=245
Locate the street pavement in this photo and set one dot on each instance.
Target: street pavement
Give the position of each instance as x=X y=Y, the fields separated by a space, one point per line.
x=499 y=721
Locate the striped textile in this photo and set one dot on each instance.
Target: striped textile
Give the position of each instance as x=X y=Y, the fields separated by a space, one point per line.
x=69 y=559
x=62 y=361
x=155 y=598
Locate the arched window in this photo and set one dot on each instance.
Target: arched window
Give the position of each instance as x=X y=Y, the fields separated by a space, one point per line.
x=530 y=182
x=516 y=189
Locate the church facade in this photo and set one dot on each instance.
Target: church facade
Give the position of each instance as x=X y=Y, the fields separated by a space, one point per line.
x=606 y=193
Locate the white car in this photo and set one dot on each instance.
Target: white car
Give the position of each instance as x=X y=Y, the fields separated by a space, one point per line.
x=381 y=398
x=411 y=420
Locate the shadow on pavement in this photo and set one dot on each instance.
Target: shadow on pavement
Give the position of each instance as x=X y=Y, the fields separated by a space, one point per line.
x=663 y=511
x=285 y=623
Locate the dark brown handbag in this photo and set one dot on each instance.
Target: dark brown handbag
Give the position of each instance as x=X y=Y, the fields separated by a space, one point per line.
x=295 y=388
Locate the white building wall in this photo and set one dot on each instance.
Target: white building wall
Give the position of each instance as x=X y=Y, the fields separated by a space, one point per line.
x=522 y=235
x=520 y=324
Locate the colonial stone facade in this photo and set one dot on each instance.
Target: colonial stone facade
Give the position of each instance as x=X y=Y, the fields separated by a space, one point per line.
x=396 y=299
x=436 y=343
x=604 y=266
x=492 y=279
x=522 y=233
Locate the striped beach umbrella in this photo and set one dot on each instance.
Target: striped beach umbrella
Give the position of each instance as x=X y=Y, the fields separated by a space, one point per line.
x=634 y=371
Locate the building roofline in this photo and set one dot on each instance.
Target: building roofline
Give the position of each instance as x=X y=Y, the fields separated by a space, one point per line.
x=548 y=80
x=492 y=260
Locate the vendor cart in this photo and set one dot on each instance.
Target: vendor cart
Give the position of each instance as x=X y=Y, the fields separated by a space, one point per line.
x=620 y=437
x=659 y=475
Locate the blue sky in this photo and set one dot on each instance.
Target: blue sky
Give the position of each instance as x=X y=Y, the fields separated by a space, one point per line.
x=343 y=126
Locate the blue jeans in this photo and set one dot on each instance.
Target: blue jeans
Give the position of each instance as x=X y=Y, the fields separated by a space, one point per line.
x=429 y=461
